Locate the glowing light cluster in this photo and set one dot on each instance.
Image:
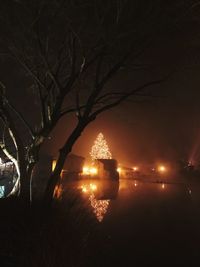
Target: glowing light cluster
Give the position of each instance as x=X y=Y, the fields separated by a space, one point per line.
x=100 y=149
x=100 y=207
x=91 y=188
x=57 y=192
x=162 y=169
x=119 y=170
x=89 y=170
x=53 y=165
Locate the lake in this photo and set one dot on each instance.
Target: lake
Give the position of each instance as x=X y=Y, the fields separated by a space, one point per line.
x=139 y=223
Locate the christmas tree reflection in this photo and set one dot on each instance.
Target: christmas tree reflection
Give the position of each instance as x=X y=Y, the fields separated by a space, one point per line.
x=100 y=207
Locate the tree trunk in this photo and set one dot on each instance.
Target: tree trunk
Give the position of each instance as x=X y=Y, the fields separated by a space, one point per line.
x=25 y=185
x=64 y=152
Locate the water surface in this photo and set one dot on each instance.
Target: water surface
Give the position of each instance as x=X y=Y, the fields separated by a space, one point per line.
x=140 y=223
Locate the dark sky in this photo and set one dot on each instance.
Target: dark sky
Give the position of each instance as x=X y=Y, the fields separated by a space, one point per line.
x=163 y=127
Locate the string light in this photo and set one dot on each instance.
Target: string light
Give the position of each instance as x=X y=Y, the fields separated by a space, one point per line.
x=100 y=149
x=100 y=207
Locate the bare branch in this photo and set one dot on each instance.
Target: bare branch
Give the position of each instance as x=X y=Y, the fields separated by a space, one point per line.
x=126 y=96
x=21 y=117
x=49 y=70
x=28 y=69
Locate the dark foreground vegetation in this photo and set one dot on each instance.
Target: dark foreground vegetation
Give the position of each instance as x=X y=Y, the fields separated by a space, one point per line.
x=37 y=236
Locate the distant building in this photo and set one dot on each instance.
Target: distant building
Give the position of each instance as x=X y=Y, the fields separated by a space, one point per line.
x=43 y=169
x=107 y=168
x=127 y=173
x=74 y=163
x=73 y=167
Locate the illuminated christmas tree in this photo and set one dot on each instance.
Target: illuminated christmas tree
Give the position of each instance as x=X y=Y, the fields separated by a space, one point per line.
x=100 y=149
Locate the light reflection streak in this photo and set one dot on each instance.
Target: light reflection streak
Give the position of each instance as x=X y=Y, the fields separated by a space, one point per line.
x=100 y=207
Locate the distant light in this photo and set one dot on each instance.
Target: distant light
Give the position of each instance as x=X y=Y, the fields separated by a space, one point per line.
x=53 y=165
x=84 y=189
x=119 y=169
x=161 y=168
x=93 y=171
x=93 y=187
x=89 y=170
x=135 y=169
x=163 y=186
x=86 y=170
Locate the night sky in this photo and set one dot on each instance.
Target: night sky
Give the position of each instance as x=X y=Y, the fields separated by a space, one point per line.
x=164 y=126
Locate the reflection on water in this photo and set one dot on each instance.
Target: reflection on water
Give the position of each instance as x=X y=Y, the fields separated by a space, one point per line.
x=151 y=218
x=100 y=194
x=100 y=207
x=124 y=196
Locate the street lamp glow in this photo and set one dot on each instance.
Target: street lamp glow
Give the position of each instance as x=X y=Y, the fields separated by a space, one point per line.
x=84 y=189
x=93 y=171
x=162 y=169
x=135 y=169
x=86 y=170
x=93 y=187
x=89 y=170
x=119 y=170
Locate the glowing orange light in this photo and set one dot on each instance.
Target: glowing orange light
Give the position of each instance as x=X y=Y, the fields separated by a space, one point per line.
x=93 y=187
x=57 y=192
x=86 y=170
x=163 y=186
x=119 y=169
x=89 y=170
x=93 y=171
x=162 y=168
x=53 y=165
x=135 y=169
x=84 y=189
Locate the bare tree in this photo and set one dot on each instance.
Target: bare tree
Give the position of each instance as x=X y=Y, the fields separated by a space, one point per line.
x=69 y=51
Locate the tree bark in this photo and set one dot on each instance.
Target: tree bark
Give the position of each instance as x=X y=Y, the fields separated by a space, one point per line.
x=25 y=184
x=64 y=152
